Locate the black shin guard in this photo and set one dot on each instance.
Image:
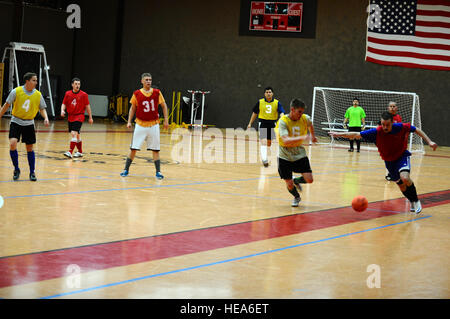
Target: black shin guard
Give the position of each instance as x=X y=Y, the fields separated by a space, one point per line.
x=294 y=192
x=300 y=180
x=411 y=193
x=158 y=165
x=128 y=163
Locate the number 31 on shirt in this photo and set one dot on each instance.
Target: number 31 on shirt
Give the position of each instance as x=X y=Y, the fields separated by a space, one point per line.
x=147 y=106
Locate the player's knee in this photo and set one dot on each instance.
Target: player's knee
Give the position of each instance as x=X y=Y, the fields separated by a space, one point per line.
x=308 y=178
x=289 y=183
x=405 y=179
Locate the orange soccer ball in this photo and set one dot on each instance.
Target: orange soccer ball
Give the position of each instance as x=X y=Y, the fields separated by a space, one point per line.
x=360 y=203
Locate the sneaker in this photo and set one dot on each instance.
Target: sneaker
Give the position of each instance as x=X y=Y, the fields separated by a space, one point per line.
x=78 y=154
x=357 y=151
x=124 y=173
x=68 y=154
x=388 y=177
x=33 y=177
x=16 y=174
x=159 y=175
x=350 y=149
x=265 y=163
x=417 y=207
x=298 y=185
x=295 y=202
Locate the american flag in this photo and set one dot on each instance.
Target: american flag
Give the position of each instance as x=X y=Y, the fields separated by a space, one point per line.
x=409 y=33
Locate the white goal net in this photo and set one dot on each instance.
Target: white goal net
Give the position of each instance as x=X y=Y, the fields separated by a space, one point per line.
x=330 y=104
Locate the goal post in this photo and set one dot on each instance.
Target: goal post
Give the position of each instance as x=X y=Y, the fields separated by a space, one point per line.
x=330 y=104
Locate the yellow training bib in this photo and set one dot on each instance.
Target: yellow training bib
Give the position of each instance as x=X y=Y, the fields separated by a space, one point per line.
x=26 y=106
x=268 y=111
x=295 y=128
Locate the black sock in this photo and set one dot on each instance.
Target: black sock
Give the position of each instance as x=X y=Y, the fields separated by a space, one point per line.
x=411 y=193
x=351 y=144
x=158 y=165
x=294 y=192
x=300 y=180
x=128 y=163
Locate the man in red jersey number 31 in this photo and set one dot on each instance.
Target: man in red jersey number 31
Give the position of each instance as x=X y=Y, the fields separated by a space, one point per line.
x=144 y=104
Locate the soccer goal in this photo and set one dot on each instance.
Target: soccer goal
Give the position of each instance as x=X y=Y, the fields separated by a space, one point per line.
x=329 y=106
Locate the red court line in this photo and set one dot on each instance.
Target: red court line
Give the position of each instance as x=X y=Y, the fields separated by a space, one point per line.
x=22 y=269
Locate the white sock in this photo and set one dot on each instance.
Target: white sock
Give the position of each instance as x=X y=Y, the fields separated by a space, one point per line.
x=264 y=153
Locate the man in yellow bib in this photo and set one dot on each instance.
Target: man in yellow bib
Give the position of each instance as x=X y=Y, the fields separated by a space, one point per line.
x=292 y=130
x=267 y=110
x=27 y=102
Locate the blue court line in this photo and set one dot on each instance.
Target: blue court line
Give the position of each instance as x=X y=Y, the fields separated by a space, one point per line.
x=47 y=179
x=131 y=188
x=161 y=186
x=228 y=260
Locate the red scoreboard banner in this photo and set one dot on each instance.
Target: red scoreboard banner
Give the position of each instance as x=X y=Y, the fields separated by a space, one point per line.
x=276 y=16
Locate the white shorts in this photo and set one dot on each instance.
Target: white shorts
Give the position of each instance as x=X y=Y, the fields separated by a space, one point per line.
x=151 y=134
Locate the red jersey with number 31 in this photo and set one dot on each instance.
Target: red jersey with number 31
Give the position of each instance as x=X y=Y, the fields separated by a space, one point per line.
x=147 y=106
x=76 y=105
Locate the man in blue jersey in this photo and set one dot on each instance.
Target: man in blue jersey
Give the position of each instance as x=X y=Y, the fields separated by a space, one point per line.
x=392 y=143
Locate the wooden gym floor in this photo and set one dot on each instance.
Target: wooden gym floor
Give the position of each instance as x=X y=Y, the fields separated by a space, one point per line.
x=215 y=230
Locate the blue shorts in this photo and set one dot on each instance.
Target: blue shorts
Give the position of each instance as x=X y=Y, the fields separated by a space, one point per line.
x=403 y=164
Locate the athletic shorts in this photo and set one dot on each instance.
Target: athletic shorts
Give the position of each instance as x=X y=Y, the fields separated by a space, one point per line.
x=403 y=164
x=27 y=133
x=75 y=126
x=149 y=134
x=354 y=128
x=286 y=168
x=266 y=129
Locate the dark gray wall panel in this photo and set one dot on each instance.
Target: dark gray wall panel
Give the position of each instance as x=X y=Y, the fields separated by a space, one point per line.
x=196 y=45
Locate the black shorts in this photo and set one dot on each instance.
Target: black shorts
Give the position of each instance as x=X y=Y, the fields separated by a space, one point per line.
x=266 y=129
x=354 y=128
x=75 y=126
x=27 y=133
x=286 y=168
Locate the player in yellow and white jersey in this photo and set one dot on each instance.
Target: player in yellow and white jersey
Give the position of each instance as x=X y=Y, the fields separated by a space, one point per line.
x=292 y=130
x=26 y=102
